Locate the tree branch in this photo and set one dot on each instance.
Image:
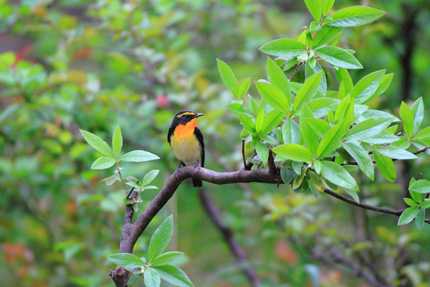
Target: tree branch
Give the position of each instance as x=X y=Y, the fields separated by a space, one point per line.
x=237 y=251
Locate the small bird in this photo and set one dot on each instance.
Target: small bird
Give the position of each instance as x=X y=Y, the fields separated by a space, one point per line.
x=186 y=141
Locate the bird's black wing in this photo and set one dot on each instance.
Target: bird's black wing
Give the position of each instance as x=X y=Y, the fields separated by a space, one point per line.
x=199 y=136
x=169 y=134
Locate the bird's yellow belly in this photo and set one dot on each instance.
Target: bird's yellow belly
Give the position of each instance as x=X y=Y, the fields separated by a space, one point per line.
x=187 y=149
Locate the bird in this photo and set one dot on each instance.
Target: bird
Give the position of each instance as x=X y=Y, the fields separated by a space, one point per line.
x=186 y=141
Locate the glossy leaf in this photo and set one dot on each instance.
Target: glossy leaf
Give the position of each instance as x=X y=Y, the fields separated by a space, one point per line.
x=420 y=186
x=152 y=278
x=331 y=140
x=338 y=175
x=408 y=215
x=284 y=48
x=126 y=260
x=273 y=96
x=338 y=57
x=361 y=156
x=367 y=86
x=97 y=143
x=247 y=123
x=291 y=132
x=368 y=128
x=307 y=91
x=417 y=110
x=385 y=166
x=315 y=7
x=408 y=119
x=271 y=121
x=103 y=162
x=327 y=5
x=383 y=86
x=117 y=141
x=294 y=152
x=278 y=79
x=139 y=156
x=325 y=35
x=353 y=16
x=244 y=87
x=228 y=77
x=174 y=275
x=396 y=153
x=149 y=177
x=262 y=151
x=166 y=258
x=160 y=239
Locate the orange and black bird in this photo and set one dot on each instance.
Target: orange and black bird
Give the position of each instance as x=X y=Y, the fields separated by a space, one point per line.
x=186 y=141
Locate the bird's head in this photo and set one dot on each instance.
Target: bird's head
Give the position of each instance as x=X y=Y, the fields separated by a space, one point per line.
x=186 y=117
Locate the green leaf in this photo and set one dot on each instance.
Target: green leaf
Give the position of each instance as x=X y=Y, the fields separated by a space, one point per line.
x=367 y=86
x=383 y=137
x=259 y=121
x=315 y=7
x=244 y=87
x=310 y=136
x=395 y=152
x=353 y=16
x=383 y=86
x=126 y=260
x=293 y=152
x=319 y=126
x=338 y=57
x=149 y=177
x=410 y=202
x=110 y=180
x=425 y=204
x=284 y=48
x=361 y=156
x=247 y=123
x=420 y=186
x=331 y=140
x=344 y=77
x=419 y=219
x=174 y=275
x=407 y=118
x=103 y=162
x=278 y=79
x=271 y=120
x=262 y=151
x=97 y=143
x=307 y=91
x=135 y=185
x=152 y=278
x=408 y=215
x=325 y=35
x=291 y=132
x=386 y=166
x=133 y=279
x=337 y=175
x=327 y=5
x=138 y=156
x=424 y=133
x=353 y=194
x=273 y=96
x=117 y=141
x=368 y=128
x=166 y=258
x=229 y=78
x=417 y=110
x=160 y=239
x=287 y=175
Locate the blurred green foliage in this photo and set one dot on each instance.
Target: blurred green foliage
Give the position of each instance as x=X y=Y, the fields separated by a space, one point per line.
x=72 y=64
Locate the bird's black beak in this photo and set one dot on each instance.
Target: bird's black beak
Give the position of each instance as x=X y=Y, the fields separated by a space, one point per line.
x=199 y=115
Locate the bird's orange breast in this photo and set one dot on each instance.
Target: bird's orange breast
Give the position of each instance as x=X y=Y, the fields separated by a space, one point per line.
x=185 y=130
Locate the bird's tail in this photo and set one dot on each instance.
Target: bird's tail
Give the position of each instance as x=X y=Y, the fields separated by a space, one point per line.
x=197 y=183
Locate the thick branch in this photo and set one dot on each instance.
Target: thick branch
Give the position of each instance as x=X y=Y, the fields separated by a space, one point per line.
x=257 y=175
x=237 y=251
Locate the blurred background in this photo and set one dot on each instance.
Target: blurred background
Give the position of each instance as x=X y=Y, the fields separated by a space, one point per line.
x=73 y=64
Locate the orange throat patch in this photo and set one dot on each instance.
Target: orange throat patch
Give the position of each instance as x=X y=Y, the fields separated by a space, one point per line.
x=185 y=130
